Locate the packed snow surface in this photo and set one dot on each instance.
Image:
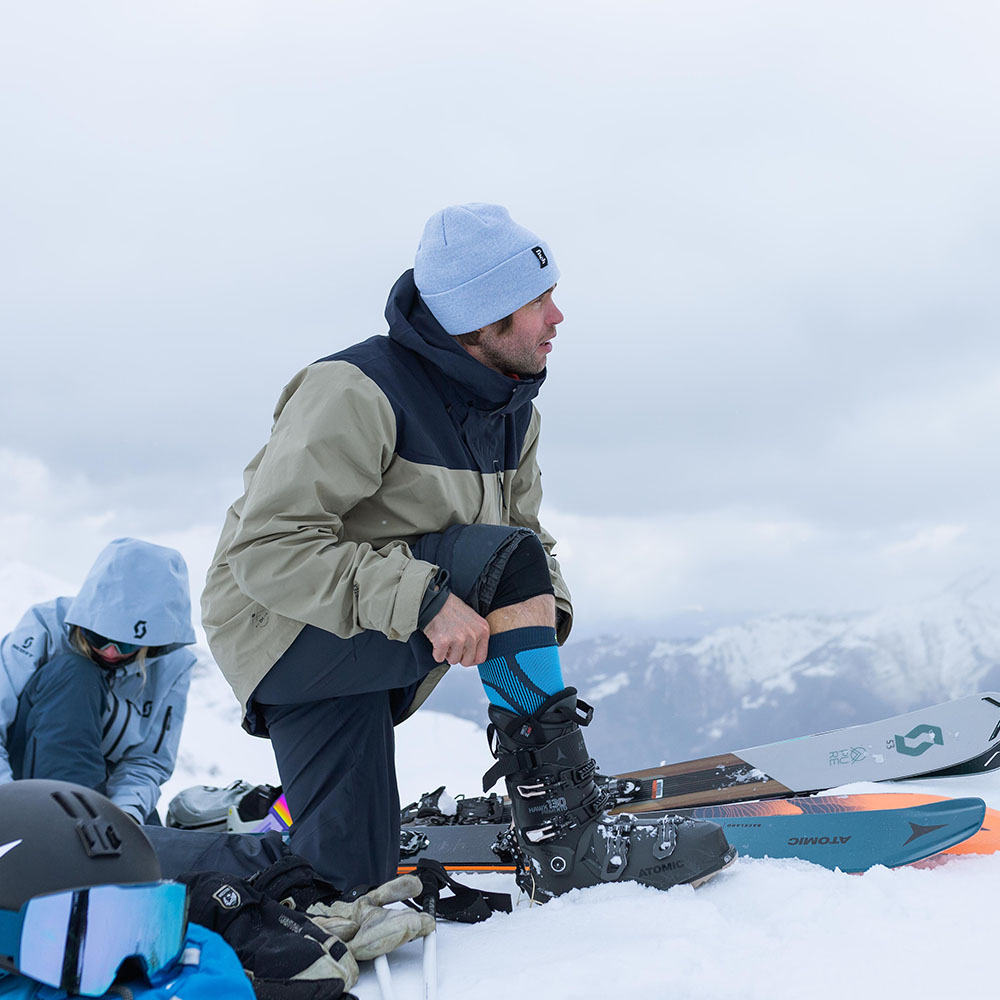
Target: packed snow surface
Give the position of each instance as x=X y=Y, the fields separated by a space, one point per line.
x=763 y=929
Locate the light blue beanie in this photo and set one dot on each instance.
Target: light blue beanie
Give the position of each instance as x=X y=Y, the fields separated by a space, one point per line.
x=475 y=265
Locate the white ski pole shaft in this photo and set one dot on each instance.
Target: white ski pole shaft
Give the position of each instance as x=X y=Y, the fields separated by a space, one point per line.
x=430 y=966
x=384 y=977
x=430 y=951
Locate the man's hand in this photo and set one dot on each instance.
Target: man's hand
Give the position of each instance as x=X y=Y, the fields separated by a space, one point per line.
x=458 y=634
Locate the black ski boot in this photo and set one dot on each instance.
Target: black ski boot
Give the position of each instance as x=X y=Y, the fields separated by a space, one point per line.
x=566 y=839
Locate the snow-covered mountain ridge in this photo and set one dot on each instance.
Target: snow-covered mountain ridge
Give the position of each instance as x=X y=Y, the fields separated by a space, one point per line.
x=772 y=677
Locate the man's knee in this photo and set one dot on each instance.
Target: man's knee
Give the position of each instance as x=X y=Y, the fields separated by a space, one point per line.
x=525 y=575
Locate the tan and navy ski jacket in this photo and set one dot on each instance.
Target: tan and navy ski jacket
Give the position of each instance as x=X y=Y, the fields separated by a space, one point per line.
x=371 y=448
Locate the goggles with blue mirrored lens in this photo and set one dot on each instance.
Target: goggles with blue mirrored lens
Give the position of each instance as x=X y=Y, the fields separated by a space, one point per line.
x=101 y=642
x=77 y=940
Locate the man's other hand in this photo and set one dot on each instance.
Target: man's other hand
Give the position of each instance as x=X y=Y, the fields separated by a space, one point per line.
x=458 y=634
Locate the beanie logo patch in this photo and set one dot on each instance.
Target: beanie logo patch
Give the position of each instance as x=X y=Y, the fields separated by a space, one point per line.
x=543 y=261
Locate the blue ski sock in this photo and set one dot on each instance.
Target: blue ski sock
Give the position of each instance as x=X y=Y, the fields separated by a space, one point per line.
x=522 y=669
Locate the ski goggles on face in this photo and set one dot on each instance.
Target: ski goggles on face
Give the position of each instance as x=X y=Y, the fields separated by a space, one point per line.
x=101 y=642
x=77 y=940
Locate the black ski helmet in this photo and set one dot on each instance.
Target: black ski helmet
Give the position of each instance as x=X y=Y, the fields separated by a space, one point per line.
x=55 y=835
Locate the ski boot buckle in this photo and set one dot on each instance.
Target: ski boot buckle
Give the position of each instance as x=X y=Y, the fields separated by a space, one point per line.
x=617 y=838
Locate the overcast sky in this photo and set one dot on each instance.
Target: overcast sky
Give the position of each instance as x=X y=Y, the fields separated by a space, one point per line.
x=777 y=385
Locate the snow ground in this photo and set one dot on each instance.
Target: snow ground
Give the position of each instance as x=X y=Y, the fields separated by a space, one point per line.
x=763 y=929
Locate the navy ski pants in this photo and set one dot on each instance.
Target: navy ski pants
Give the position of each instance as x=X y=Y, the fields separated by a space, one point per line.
x=329 y=706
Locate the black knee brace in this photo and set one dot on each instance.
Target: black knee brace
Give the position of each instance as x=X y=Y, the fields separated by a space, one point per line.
x=525 y=575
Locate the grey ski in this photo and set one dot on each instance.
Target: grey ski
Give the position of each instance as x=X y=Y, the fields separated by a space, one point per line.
x=956 y=737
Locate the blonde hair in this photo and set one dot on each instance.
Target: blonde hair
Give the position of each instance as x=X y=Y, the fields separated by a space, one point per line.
x=84 y=648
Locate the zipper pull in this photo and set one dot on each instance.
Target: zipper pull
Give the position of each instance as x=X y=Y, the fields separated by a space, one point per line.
x=496 y=467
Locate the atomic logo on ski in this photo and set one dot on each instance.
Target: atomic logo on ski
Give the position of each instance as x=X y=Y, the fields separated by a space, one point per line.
x=932 y=737
x=818 y=841
x=921 y=831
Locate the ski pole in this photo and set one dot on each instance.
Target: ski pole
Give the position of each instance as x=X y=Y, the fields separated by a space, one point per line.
x=430 y=953
x=384 y=977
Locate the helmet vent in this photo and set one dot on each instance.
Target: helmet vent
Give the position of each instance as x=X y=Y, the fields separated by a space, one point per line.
x=66 y=803
x=75 y=804
x=88 y=806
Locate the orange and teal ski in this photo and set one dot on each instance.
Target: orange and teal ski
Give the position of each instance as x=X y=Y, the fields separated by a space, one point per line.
x=849 y=832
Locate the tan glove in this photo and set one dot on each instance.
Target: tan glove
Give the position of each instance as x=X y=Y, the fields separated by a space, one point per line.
x=367 y=927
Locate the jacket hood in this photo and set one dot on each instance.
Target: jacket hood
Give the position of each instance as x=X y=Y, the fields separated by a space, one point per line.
x=413 y=325
x=136 y=592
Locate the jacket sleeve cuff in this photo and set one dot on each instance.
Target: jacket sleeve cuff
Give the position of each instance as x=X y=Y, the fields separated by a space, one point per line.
x=564 y=621
x=411 y=587
x=434 y=597
x=132 y=810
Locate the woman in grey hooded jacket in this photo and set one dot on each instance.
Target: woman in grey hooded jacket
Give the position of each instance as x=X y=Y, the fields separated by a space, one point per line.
x=93 y=688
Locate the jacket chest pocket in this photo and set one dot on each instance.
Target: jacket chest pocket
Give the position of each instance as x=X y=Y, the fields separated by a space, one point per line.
x=495 y=506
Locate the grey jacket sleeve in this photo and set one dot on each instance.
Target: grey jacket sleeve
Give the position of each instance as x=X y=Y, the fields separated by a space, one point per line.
x=526 y=499
x=333 y=438
x=21 y=652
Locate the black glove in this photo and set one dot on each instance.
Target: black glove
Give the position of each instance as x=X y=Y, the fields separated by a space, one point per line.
x=285 y=954
x=293 y=882
x=365 y=922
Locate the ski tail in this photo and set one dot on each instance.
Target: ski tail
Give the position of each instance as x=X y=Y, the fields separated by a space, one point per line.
x=847 y=836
